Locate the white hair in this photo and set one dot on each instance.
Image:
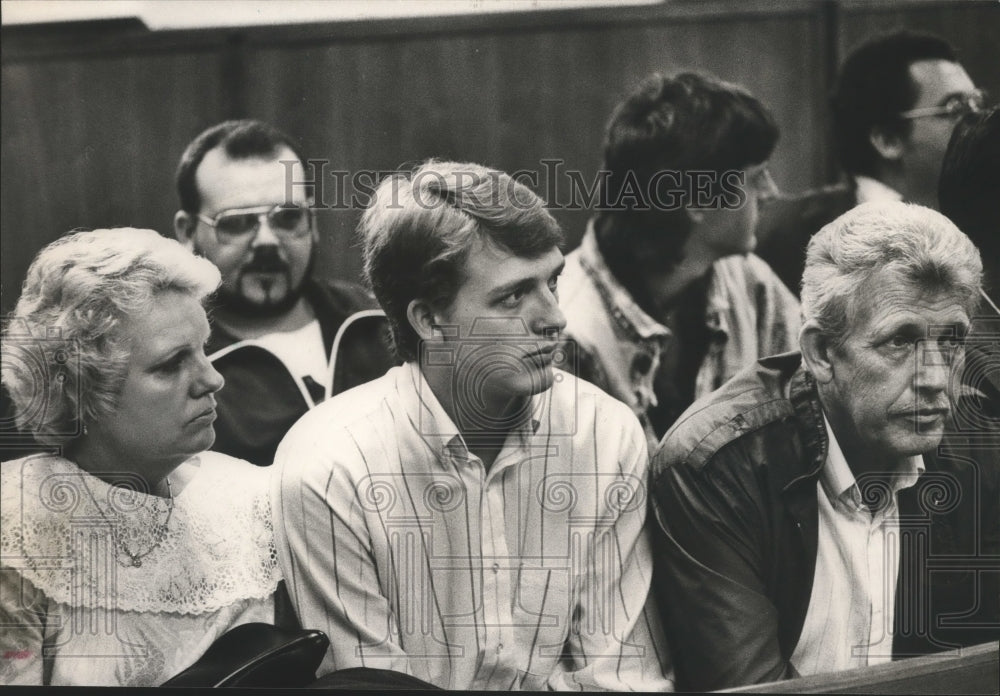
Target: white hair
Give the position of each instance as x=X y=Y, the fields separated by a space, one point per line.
x=921 y=247
x=64 y=351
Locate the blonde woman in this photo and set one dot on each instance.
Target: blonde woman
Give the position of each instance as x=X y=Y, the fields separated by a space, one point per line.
x=127 y=550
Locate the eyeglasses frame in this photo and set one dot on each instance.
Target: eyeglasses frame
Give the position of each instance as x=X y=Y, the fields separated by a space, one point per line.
x=261 y=211
x=973 y=102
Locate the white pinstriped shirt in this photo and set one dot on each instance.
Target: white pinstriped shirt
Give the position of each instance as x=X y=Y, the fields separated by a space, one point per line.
x=849 y=620
x=396 y=541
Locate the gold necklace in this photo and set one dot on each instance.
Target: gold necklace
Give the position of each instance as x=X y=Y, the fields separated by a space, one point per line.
x=119 y=525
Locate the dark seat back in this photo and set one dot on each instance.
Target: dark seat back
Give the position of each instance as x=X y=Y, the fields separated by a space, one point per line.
x=257 y=655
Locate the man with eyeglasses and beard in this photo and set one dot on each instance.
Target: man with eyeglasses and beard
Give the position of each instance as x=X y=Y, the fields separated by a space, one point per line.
x=276 y=329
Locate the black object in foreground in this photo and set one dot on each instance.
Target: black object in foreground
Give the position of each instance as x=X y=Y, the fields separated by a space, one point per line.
x=257 y=655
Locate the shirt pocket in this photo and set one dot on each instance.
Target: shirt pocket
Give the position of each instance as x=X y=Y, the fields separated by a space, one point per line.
x=542 y=615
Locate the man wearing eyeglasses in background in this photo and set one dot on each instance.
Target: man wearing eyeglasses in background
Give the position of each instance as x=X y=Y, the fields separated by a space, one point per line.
x=274 y=325
x=895 y=104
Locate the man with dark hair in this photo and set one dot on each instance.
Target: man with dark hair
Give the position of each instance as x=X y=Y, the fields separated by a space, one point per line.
x=820 y=512
x=274 y=328
x=894 y=105
x=664 y=299
x=474 y=518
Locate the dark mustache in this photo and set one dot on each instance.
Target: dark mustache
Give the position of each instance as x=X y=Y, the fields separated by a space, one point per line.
x=266 y=259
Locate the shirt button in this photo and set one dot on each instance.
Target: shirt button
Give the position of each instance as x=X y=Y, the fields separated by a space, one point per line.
x=496 y=567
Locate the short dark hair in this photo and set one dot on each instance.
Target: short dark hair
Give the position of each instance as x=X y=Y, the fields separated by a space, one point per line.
x=418 y=230
x=969 y=189
x=686 y=123
x=873 y=87
x=242 y=139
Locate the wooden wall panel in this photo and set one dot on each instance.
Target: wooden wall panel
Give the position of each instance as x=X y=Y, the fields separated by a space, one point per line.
x=94 y=143
x=515 y=99
x=93 y=125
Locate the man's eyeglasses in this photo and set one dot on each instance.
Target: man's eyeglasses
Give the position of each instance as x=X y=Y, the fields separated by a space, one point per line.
x=240 y=224
x=956 y=107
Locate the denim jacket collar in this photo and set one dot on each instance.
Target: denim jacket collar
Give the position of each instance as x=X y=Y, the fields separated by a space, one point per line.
x=629 y=315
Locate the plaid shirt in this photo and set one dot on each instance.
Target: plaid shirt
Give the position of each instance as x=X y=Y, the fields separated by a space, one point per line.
x=750 y=314
x=412 y=556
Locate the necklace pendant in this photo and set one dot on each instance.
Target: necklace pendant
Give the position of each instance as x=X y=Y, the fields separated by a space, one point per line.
x=136 y=562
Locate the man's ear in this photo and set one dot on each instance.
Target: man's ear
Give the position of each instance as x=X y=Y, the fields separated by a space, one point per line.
x=816 y=348
x=888 y=145
x=184 y=224
x=421 y=317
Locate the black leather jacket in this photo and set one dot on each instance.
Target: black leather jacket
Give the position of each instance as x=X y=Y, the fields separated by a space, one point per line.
x=733 y=489
x=261 y=399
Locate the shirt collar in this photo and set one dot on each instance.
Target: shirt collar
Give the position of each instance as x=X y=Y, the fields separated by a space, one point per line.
x=629 y=315
x=717 y=302
x=869 y=189
x=624 y=309
x=435 y=426
x=836 y=475
x=838 y=479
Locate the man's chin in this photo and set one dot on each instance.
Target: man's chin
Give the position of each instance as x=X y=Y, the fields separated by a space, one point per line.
x=533 y=381
x=544 y=381
x=255 y=305
x=916 y=444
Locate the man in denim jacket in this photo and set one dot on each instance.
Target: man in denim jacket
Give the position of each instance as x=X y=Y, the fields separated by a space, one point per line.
x=664 y=299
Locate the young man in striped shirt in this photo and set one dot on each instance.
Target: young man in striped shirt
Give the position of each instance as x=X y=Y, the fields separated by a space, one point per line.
x=474 y=518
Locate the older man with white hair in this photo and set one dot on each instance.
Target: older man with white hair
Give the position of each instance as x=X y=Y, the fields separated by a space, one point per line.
x=805 y=508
